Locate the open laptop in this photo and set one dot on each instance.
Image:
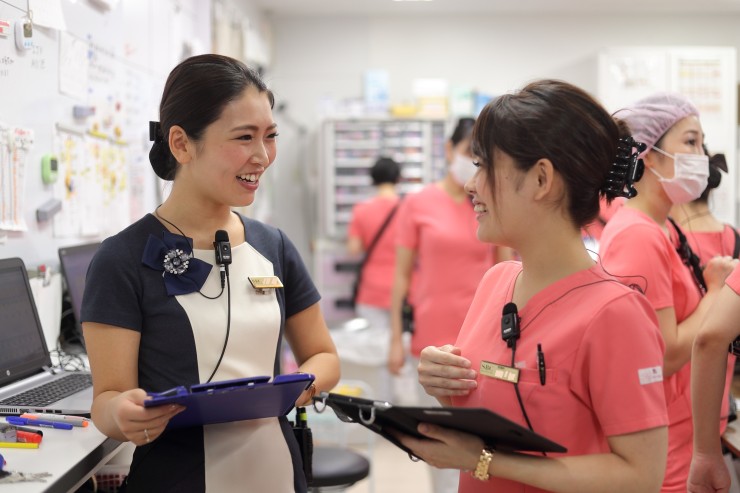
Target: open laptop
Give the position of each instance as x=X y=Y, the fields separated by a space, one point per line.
x=74 y=261
x=27 y=381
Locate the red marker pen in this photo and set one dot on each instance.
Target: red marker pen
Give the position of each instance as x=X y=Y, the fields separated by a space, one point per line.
x=28 y=437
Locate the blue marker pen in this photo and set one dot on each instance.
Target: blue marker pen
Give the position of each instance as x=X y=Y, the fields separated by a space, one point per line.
x=14 y=420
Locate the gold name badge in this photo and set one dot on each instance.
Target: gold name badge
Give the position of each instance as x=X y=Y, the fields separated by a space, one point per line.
x=499 y=372
x=262 y=283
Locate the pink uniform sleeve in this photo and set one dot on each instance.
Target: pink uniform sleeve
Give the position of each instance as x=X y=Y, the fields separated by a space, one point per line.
x=407 y=232
x=618 y=368
x=354 y=230
x=733 y=280
x=640 y=256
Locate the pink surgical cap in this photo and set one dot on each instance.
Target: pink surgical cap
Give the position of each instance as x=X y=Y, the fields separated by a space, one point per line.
x=651 y=117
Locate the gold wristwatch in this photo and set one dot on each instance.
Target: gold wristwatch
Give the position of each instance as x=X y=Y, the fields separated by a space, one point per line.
x=481 y=470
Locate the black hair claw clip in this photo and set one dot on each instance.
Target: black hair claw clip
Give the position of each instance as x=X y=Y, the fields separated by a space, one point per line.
x=626 y=169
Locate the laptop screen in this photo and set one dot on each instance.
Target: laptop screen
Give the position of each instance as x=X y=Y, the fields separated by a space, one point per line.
x=22 y=347
x=74 y=261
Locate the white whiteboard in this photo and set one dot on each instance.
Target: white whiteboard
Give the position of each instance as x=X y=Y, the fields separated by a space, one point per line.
x=128 y=50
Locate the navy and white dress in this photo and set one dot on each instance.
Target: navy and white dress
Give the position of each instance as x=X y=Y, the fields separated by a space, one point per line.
x=182 y=336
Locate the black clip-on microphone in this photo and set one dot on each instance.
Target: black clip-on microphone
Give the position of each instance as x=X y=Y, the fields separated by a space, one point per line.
x=510 y=324
x=223 y=253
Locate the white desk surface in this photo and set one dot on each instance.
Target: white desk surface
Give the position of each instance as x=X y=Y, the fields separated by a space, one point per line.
x=71 y=456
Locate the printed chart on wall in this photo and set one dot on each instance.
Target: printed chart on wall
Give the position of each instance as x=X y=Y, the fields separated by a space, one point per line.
x=92 y=185
x=15 y=143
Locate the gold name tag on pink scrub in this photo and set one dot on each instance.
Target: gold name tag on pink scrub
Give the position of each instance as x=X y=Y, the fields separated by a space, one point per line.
x=262 y=283
x=499 y=372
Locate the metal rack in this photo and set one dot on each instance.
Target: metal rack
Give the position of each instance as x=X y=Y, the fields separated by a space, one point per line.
x=349 y=148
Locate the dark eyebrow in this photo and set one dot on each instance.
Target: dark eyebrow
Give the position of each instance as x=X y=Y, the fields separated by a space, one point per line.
x=253 y=128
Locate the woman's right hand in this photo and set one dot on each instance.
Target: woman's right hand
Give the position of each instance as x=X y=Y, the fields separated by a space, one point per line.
x=444 y=372
x=717 y=270
x=139 y=424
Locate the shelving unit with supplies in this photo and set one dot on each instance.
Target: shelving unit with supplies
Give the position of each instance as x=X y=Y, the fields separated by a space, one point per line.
x=349 y=148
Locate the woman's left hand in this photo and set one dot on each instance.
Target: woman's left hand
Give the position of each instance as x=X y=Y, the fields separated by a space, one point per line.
x=445 y=448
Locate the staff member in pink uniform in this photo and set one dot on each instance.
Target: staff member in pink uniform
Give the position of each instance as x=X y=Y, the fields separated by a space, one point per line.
x=437 y=242
x=708 y=471
x=368 y=217
x=372 y=233
x=636 y=246
x=708 y=237
x=547 y=154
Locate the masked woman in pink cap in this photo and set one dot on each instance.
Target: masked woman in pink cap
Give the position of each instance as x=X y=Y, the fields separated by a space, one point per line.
x=640 y=246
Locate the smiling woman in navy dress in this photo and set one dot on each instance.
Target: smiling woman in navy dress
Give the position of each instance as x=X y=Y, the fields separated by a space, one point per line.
x=151 y=324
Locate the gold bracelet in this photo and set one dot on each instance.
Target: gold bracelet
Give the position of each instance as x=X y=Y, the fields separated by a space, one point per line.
x=481 y=470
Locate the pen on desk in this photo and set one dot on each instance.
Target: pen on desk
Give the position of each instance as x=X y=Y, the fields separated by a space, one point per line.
x=18 y=445
x=60 y=418
x=14 y=420
x=541 y=364
x=29 y=430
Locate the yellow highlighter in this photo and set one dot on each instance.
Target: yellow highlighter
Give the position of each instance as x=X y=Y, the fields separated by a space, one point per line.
x=18 y=445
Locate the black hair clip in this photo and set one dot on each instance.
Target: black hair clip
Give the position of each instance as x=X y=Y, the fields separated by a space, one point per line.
x=626 y=169
x=155 y=132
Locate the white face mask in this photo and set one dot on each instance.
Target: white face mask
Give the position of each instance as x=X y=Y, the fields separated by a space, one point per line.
x=462 y=169
x=690 y=176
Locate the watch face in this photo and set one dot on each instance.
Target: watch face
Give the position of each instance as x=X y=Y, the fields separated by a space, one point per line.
x=53 y=164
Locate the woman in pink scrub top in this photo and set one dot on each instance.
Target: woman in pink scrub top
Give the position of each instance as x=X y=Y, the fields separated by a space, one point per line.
x=709 y=238
x=546 y=155
x=722 y=326
x=636 y=246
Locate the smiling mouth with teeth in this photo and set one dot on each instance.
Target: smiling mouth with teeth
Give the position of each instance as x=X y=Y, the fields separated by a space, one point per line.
x=252 y=178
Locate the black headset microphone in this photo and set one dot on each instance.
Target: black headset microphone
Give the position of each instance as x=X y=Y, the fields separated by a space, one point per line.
x=510 y=330
x=223 y=253
x=222 y=248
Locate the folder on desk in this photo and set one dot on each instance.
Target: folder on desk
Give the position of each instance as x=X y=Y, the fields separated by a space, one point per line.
x=382 y=417
x=233 y=400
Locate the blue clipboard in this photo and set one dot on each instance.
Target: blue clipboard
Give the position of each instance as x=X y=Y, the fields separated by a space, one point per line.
x=233 y=400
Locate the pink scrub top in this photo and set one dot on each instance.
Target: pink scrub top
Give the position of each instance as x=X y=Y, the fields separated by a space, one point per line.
x=378 y=272
x=636 y=250
x=733 y=280
x=709 y=244
x=603 y=354
x=450 y=262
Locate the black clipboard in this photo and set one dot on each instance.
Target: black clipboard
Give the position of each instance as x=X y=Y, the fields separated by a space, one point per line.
x=233 y=400
x=380 y=417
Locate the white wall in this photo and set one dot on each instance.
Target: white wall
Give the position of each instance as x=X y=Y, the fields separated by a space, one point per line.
x=314 y=57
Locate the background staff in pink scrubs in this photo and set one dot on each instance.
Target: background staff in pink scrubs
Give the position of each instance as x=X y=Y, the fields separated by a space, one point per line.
x=708 y=471
x=546 y=156
x=709 y=238
x=636 y=246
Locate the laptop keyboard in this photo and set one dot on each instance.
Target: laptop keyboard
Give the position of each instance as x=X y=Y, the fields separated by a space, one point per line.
x=51 y=392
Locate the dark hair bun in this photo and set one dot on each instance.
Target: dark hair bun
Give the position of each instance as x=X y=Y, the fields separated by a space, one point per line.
x=715 y=177
x=159 y=157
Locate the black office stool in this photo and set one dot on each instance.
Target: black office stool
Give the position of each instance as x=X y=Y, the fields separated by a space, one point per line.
x=337 y=467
